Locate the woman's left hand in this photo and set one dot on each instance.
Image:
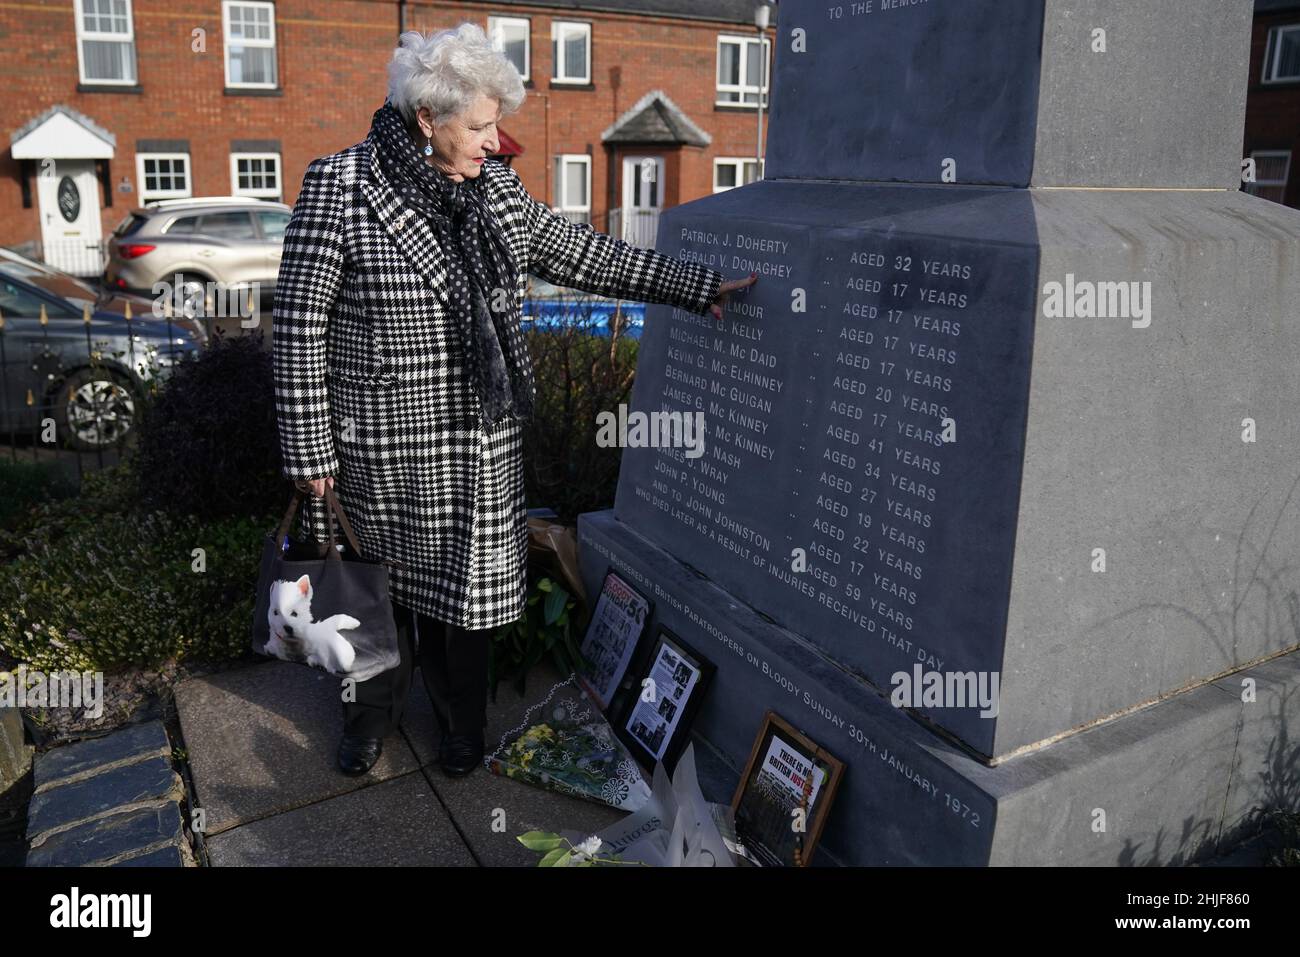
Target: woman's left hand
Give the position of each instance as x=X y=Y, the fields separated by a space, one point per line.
x=726 y=289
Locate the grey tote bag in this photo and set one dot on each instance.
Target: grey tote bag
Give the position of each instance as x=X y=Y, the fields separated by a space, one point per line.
x=324 y=605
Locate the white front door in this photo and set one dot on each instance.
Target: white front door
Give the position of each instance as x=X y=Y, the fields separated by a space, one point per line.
x=643 y=198
x=68 y=193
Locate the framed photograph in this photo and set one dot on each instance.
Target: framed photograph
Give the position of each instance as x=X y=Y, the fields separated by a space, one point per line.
x=659 y=702
x=786 y=770
x=616 y=624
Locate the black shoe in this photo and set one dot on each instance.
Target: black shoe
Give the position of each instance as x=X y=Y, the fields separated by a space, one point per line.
x=357 y=754
x=462 y=754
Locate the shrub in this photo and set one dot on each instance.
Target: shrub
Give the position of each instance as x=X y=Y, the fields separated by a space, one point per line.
x=579 y=375
x=546 y=627
x=208 y=446
x=104 y=492
x=99 y=584
x=125 y=593
x=25 y=484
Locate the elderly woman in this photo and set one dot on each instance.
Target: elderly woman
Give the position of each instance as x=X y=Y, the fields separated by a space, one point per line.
x=401 y=372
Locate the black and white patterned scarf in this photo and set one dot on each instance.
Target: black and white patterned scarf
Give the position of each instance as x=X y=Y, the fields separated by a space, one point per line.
x=482 y=271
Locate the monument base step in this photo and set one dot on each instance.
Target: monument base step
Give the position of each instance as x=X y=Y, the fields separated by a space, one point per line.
x=1169 y=784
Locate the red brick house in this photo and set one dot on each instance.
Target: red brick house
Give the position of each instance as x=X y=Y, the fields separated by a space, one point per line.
x=633 y=105
x=1273 y=101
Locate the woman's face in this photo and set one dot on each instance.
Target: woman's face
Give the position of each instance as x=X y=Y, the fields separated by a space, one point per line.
x=462 y=143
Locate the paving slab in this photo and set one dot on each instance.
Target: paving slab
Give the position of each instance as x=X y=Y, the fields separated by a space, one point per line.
x=105 y=839
x=170 y=856
x=263 y=740
x=395 y=823
x=491 y=811
x=136 y=742
x=58 y=806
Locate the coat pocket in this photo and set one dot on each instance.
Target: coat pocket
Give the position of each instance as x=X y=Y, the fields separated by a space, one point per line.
x=379 y=380
x=354 y=353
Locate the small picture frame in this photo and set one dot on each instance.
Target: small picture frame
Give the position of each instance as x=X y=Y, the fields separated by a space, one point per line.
x=783 y=766
x=612 y=636
x=662 y=694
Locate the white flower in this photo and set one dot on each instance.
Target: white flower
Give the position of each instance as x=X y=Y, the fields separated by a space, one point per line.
x=586 y=849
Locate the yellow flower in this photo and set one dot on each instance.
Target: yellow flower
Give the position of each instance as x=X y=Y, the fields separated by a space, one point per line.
x=537 y=734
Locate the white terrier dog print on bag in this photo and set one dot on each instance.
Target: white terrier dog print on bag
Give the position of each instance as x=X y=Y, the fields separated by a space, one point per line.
x=295 y=637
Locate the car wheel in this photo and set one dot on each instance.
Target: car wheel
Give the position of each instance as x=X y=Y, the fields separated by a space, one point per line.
x=193 y=288
x=96 y=409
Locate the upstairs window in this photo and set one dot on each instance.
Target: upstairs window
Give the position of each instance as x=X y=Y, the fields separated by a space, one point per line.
x=106 y=42
x=509 y=35
x=570 y=52
x=250 y=44
x=742 y=71
x=1282 y=55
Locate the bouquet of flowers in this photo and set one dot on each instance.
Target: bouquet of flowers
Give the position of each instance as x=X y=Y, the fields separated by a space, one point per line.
x=565 y=744
x=676 y=827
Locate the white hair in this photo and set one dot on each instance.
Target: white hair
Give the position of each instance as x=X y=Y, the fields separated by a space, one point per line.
x=447 y=70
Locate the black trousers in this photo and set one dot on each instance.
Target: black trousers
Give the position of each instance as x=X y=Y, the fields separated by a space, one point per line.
x=454 y=664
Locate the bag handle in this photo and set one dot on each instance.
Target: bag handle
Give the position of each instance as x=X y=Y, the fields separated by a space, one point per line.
x=332 y=507
x=289 y=513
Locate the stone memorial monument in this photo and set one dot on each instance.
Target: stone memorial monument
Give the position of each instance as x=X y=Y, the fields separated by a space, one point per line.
x=999 y=493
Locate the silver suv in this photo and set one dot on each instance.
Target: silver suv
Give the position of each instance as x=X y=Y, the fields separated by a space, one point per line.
x=231 y=240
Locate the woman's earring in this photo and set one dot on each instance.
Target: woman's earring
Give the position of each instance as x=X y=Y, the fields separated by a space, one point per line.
x=428 y=147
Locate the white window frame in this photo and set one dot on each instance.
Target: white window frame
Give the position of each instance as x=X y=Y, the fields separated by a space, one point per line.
x=147 y=195
x=262 y=193
x=264 y=44
x=79 y=13
x=1252 y=188
x=742 y=87
x=562 y=160
x=558 y=47
x=739 y=163
x=494 y=23
x=1270 y=54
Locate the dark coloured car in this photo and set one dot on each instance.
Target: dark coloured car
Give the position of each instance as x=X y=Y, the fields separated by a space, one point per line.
x=91 y=385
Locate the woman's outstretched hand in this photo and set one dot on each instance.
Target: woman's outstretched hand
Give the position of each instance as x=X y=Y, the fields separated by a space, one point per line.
x=726 y=289
x=315 y=486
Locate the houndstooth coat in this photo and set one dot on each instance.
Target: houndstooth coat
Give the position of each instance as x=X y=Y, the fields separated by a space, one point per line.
x=370 y=386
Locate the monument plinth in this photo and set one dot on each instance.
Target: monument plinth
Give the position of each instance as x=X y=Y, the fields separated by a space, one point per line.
x=1033 y=441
